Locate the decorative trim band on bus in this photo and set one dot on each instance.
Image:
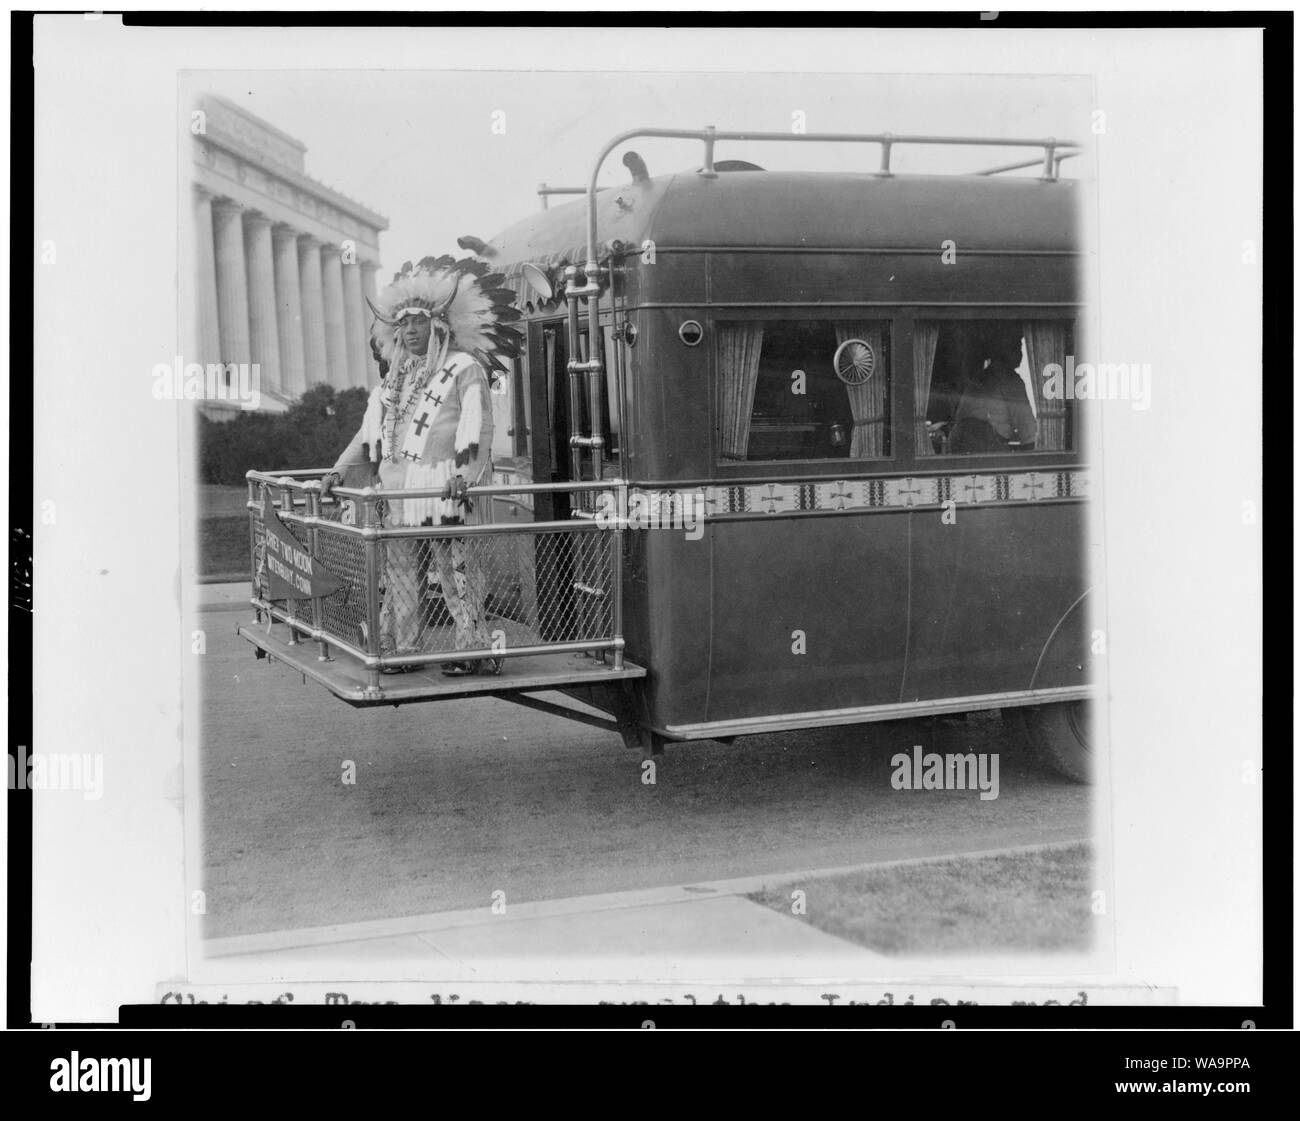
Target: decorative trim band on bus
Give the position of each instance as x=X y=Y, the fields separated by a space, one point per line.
x=905 y=492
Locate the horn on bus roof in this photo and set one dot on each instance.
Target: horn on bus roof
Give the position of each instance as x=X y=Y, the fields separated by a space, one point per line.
x=636 y=165
x=476 y=245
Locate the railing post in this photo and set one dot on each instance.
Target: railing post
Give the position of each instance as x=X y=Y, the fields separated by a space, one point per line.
x=710 y=136
x=616 y=576
x=317 y=607
x=290 y=605
x=886 y=150
x=1049 y=158
x=254 y=516
x=370 y=521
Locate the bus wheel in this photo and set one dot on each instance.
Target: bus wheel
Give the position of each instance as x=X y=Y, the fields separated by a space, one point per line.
x=1061 y=737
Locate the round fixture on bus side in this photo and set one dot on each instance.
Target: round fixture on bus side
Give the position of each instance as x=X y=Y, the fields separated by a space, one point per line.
x=539 y=280
x=626 y=332
x=854 y=361
x=691 y=333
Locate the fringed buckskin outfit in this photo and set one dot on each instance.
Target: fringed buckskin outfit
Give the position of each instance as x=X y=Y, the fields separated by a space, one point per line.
x=429 y=423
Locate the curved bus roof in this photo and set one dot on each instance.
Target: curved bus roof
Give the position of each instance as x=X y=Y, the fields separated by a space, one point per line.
x=805 y=210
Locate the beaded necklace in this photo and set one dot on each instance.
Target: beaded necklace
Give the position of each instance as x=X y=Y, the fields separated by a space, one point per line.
x=397 y=405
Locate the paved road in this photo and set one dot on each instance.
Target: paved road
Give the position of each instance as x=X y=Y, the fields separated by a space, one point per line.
x=458 y=799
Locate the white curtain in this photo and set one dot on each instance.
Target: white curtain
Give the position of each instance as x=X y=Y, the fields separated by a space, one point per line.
x=925 y=339
x=868 y=399
x=738 y=348
x=1045 y=344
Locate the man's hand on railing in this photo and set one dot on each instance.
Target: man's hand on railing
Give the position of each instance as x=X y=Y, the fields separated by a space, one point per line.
x=456 y=489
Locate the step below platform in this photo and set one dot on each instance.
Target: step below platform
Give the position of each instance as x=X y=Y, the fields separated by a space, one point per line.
x=346 y=677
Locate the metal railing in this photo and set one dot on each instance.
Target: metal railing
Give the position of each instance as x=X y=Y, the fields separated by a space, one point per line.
x=709 y=135
x=516 y=589
x=544 y=192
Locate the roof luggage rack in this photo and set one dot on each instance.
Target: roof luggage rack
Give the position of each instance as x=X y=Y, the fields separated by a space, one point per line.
x=1053 y=149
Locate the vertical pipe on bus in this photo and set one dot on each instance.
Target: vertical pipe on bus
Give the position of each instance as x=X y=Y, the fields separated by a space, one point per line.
x=595 y=384
x=572 y=368
x=595 y=391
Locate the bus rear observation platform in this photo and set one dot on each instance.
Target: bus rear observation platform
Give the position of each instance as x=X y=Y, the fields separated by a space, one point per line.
x=347 y=678
x=333 y=580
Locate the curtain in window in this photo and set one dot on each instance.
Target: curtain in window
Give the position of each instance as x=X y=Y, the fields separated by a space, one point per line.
x=739 y=346
x=868 y=399
x=1044 y=344
x=925 y=339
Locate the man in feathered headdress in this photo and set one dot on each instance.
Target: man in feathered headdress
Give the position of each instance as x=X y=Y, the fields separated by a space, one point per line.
x=441 y=327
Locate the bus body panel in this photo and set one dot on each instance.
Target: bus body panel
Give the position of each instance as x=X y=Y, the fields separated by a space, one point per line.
x=776 y=615
x=987 y=591
x=805 y=617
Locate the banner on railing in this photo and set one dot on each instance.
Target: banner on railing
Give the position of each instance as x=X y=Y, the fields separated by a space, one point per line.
x=291 y=572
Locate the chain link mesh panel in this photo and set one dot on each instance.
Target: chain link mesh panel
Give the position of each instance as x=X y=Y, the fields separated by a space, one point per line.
x=490 y=592
x=486 y=592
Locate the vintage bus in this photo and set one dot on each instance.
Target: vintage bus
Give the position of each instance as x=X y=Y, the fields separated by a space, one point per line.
x=729 y=495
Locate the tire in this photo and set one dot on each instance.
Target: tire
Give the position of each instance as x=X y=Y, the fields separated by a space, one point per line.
x=1062 y=738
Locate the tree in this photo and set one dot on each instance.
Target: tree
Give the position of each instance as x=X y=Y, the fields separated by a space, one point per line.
x=312 y=433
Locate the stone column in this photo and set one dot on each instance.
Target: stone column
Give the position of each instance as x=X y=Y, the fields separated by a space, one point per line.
x=264 y=335
x=232 y=283
x=358 y=336
x=370 y=290
x=336 y=337
x=368 y=270
x=313 y=312
x=207 y=317
x=288 y=302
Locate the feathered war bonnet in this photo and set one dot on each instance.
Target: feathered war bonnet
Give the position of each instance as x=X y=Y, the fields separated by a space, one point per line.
x=471 y=304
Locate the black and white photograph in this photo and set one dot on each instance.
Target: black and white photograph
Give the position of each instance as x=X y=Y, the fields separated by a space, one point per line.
x=649 y=515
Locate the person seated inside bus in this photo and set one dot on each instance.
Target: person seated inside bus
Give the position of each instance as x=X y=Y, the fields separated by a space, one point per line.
x=994 y=413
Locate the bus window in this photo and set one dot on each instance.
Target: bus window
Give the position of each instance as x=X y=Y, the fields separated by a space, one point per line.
x=782 y=398
x=974 y=390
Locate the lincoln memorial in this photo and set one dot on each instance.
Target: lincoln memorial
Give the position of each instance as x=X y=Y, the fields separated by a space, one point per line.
x=281 y=264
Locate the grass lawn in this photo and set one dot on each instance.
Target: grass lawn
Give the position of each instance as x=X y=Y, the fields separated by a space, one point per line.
x=222 y=502
x=1024 y=901
x=223 y=533
x=223 y=548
